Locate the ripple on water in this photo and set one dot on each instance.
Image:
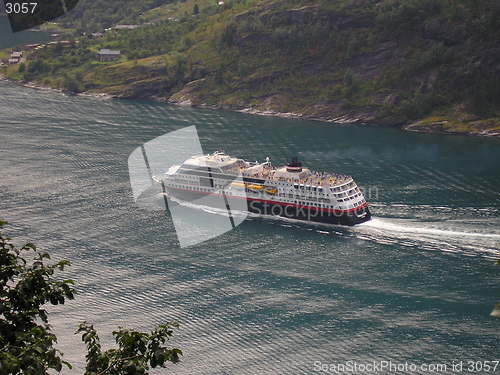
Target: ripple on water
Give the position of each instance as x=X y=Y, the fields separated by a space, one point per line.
x=416 y=283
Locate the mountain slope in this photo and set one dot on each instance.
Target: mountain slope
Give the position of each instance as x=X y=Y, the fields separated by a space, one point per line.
x=430 y=65
x=95 y=15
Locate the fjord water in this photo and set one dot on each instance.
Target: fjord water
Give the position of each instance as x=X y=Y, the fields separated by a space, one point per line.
x=415 y=284
x=9 y=39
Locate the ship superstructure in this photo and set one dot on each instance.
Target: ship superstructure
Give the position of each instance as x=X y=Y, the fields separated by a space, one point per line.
x=289 y=191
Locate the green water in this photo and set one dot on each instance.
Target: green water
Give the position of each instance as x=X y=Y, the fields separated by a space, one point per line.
x=8 y=39
x=415 y=284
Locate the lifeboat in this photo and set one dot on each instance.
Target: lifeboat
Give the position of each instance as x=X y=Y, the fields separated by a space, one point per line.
x=238 y=185
x=271 y=190
x=251 y=187
x=255 y=188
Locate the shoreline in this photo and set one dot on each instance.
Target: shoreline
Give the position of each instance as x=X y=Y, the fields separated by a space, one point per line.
x=345 y=119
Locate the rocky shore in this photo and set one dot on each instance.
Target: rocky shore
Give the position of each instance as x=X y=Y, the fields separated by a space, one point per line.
x=182 y=98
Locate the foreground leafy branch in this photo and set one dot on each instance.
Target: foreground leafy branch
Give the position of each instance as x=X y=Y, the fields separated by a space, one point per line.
x=136 y=352
x=27 y=283
x=26 y=340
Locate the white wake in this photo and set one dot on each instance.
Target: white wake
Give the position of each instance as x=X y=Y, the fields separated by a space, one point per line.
x=388 y=226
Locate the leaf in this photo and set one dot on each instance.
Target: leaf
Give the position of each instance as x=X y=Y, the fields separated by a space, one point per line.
x=30 y=246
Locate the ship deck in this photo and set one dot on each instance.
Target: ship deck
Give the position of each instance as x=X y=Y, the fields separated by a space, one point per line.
x=314 y=179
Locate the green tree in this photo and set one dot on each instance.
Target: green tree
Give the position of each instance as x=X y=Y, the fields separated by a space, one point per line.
x=71 y=84
x=137 y=351
x=228 y=35
x=27 y=283
x=37 y=67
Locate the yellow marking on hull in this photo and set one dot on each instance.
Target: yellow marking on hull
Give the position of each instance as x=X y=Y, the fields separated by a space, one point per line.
x=248 y=186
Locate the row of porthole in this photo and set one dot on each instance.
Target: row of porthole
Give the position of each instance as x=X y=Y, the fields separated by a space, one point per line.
x=298 y=202
x=319 y=205
x=350 y=198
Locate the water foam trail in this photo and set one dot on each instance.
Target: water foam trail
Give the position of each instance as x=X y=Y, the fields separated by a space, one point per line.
x=387 y=225
x=375 y=223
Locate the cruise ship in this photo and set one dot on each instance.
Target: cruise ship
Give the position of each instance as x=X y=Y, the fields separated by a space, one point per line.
x=290 y=191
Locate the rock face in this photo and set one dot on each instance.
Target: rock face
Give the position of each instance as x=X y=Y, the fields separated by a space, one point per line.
x=185 y=96
x=144 y=89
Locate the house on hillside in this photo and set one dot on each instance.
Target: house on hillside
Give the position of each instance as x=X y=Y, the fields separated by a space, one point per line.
x=125 y=27
x=15 y=57
x=108 y=55
x=30 y=46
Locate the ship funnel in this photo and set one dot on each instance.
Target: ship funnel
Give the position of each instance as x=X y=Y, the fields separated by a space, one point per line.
x=294 y=166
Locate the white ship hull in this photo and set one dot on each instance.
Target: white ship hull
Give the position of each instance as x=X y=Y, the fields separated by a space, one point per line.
x=290 y=191
x=265 y=207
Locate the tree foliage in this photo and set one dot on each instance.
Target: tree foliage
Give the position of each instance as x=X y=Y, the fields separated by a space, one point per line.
x=429 y=56
x=196 y=9
x=95 y=15
x=136 y=352
x=27 y=283
x=71 y=85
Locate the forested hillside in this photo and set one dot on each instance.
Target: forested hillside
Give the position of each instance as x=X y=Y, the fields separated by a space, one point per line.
x=95 y=15
x=429 y=65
